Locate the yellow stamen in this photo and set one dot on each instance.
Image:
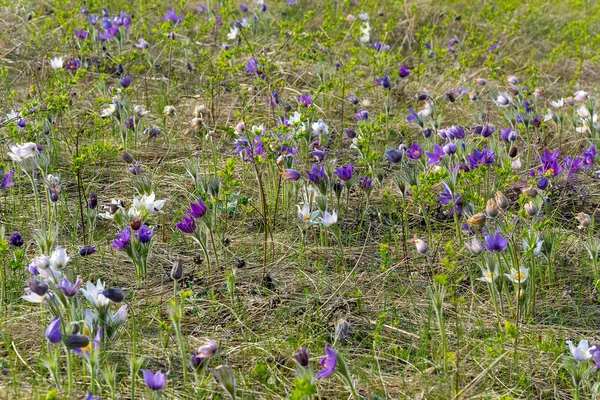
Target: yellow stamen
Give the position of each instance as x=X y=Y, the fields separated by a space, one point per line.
x=305 y=217
x=519 y=276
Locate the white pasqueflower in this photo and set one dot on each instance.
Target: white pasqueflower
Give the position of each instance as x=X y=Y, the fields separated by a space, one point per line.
x=583 y=112
x=13 y=115
x=320 y=128
x=50 y=274
x=364 y=17
x=580 y=95
x=140 y=111
x=56 y=63
x=589 y=124
x=305 y=215
x=516 y=165
x=329 y=219
x=108 y=111
x=120 y=316
x=365 y=31
x=295 y=118
x=111 y=209
x=549 y=116
x=234 y=31
x=40 y=262
x=582 y=351
x=519 y=276
x=93 y=293
x=426 y=111
x=558 y=103
x=33 y=297
x=475 y=247
x=59 y=258
x=487 y=275
x=537 y=250
x=258 y=130
x=149 y=204
x=169 y=111
x=503 y=100
x=20 y=152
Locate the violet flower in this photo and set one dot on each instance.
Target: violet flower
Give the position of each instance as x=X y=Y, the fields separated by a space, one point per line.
x=481 y=158
x=123 y=240
x=496 y=243
x=87 y=250
x=453 y=200
x=435 y=156
x=69 y=289
x=403 y=72
x=384 y=82
x=81 y=34
x=5 y=180
x=345 y=173
x=328 y=363
x=154 y=381
x=16 y=239
x=414 y=151
x=197 y=210
x=305 y=100
x=394 y=155
x=508 y=135
x=188 y=225
x=589 y=157
x=290 y=175
x=144 y=234
x=53 y=333
x=173 y=17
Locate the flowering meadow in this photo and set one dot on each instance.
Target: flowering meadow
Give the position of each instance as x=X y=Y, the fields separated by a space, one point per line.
x=299 y=199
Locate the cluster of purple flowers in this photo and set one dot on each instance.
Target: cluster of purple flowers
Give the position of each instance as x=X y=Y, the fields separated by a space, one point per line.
x=196 y=211
x=109 y=28
x=250 y=151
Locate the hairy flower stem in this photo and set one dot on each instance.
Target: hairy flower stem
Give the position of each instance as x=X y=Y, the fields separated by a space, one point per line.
x=265 y=218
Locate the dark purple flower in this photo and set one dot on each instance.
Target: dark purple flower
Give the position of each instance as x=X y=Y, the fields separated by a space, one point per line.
x=93 y=201
x=317 y=174
x=197 y=210
x=450 y=148
x=123 y=19
x=126 y=81
x=81 y=34
x=550 y=165
x=87 y=250
x=115 y=295
x=572 y=165
x=144 y=234
x=16 y=239
x=453 y=200
x=250 y=151
x=123 y=240
x=345 y=173
x=22 y=123
x=487 y=130
x=328 y=363
x=494 y=46
x=173 y=17
x=412 y=116
x=365 y=183
x=452 y=45
x=508 y=135
x=69 y=289
x=362 y=115
x=319 y=155
x=253 y=67
x=154 y=381
x=404 y=72
x=243 y=7
x=5 y=181
x=188 y=225
x=53 y=333
x=273 y=99
x=379 y=46
x=302 y=357
x=135 y=168
x=496 y=243
x=542 y=184
x=73 y=65
x=457 y=132
x=536 y=122
x=414 y=151
x=384 y=82
x=290 y=175
x=394 y=155
x=305 y=100
x=589 y=157
x=435 y=156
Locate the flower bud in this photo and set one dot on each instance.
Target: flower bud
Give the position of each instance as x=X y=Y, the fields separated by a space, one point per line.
x=475 y=247
x=514 y=150
x=513 y=80
x=420 y=245
x=513 y=90
x=353 y=99
x=225 y=377
x=87 y=250
x=530 y=191
x=501 y=200
x=136 y=224
x=477 y=221
x=115 y=295
x=240 y=127
x=584 y=220
x=169 y=111
x=491 y=209
x=177 y=269
x=93 y=201
x=302 y=357
x=77 y=341
x=481 y=81
x=531 y=209
x=350 y=133
x=516 y=165
x=39 y=288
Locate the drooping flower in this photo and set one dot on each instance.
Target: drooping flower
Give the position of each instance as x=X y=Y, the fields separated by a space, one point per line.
x=496 y=243
x=503 y=100
x=69 y=289
x=328 y=363
x=319 y=155
x=475 y=247
x=302 y=357
x=290 y=175
x=126 y=81
x=154 y=381
x=53 y=333
x=123 y=240
x=188 y=225
x=87 y=250
x=394 y=155
x=94 y=343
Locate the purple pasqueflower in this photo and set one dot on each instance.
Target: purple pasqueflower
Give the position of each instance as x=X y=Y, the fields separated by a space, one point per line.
x=457 y=132
x=73 y=65
x=94 y=343
x=22 y=123
x=485 y=130
x=496 y=243
x=173 y=17
x=345 y=173
x=595 y=352
x=123 y=240
x=362 y=115
x=365 y=183
x=414 y=151
x=435 y=156
x=126 y=81
x=142 y=44
x=453 y=200
x=394 y=155
x=123 y=19
x=81 y=34
x=253 y=67
x=319 y=155
x=412 y=116
x=188 y=225
x=494 y=46
x=90 y=396
x=479 y=158
x=450 y=148
x=317 y=174
x=543 y=183
x=290 y=175
x=135 y=168
x=250 y=151
x=550 y=165
x=384 y=82
x=273 y=99
x=403 y=72
x=144 y=234
x=589 y=157
x=16 y=239
x=572 y=165
x=328 y=363
x=93 y=201
x=5 y=181
x=53 y=333
x=130 y=123
x=197 y=210
x=305 y=100
x=154 y=381
x=87 y=250
x=70 y=289
x=243 y=7
x=452 y=45
x=379 y=46
x=508 y=135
